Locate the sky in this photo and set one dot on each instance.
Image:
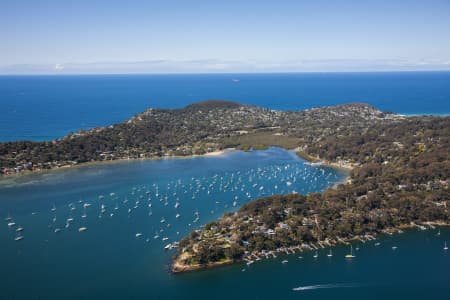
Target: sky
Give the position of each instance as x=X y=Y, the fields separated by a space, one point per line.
x=228 y=36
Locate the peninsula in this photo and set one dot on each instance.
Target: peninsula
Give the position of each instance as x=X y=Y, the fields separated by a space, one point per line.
x=197 y=129
x=400 y=169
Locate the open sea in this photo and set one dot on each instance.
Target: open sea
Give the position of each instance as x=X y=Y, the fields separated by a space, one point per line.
x=132 y=209
x=48 y=107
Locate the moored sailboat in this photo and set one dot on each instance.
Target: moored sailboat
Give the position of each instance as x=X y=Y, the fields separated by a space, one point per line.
x=350 y=255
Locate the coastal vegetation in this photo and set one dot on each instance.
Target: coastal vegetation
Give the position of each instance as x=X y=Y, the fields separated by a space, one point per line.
x=260 y=140
x=399 y=171
x=196 y=129
x=399 y=178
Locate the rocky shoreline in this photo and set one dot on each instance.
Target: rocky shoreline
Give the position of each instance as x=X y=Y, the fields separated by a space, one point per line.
x=178 y=265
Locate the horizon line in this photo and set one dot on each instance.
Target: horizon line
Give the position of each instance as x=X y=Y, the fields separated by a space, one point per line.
x=226 y=73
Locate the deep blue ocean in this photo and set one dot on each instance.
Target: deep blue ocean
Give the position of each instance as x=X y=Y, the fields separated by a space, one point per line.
x=47 y=107
x=116 y=201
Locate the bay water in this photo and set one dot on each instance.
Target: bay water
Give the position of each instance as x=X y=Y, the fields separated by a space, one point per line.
x=130 y=212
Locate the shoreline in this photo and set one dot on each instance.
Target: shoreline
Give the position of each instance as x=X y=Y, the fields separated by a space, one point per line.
x=317 y=161
x=216 y=153
x=178 y=267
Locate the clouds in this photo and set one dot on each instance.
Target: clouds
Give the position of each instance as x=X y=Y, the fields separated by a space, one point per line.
x=59 y=67
x=223 y=36
x=229 y=66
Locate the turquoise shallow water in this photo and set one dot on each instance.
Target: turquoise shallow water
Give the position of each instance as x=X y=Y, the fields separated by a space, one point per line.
x=109 y=262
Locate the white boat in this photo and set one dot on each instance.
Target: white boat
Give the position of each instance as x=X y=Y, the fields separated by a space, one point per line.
x=11 y=224
x=350 y=255
x=168 y=247
x=445 y=245
x=138 y=234
x=177 y=216
x=421 y=227
x=19 y=238
x=284 y=261
x=316 y=255
x=84 y=215
x=54 y=208
x=57 y=230
x=330 y=254
x=394 y=247
x=81 y=229
x=19 y=229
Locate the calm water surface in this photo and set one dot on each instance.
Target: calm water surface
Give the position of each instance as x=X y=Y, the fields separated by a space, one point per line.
x=109 y=262
x=47 y=107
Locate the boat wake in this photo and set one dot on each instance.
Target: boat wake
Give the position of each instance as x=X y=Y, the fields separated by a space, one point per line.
x=326 y=286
